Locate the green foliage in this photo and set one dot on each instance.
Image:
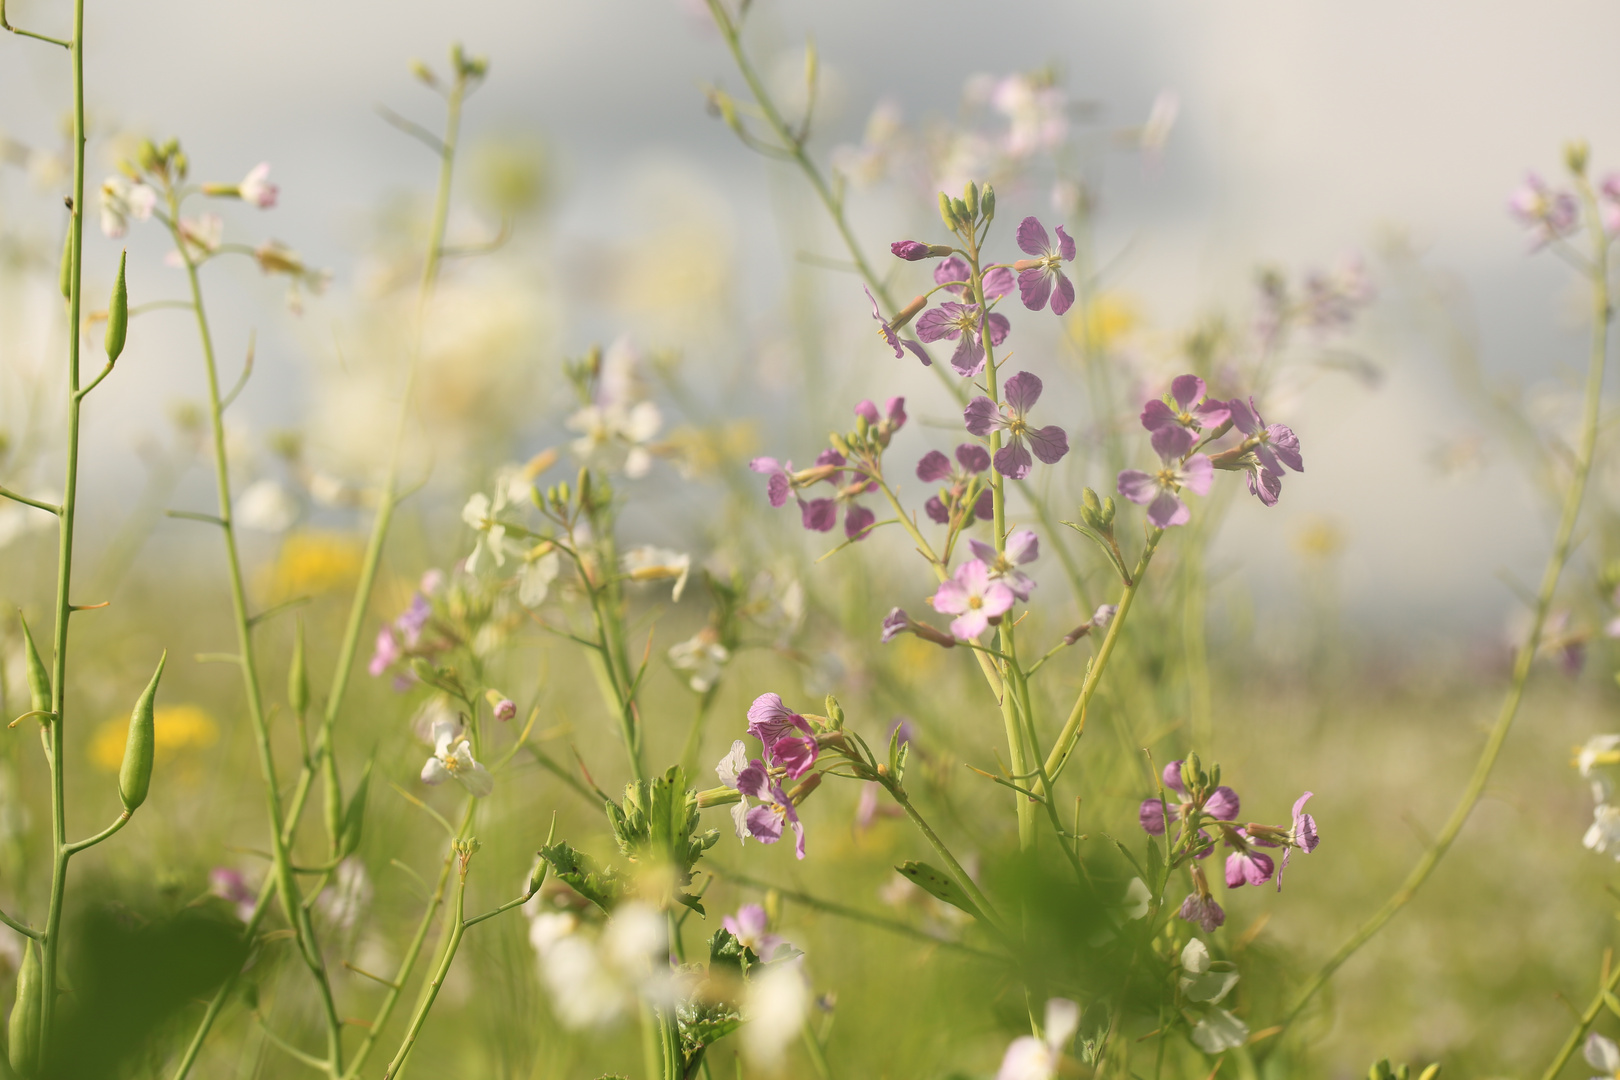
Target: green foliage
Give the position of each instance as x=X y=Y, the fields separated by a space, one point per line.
x=939 y=885
x=602 y=886
x=657 y=826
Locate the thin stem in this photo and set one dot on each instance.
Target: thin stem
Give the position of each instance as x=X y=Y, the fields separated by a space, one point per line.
x=21 y=928
x=49 y=508
x=1588 y=1017
x=90 y=842
x=1574 y=495
x=969 y=886
x=457 y=927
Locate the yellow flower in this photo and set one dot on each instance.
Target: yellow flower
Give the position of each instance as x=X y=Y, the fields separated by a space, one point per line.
x=313 y=562
x=1109 y=318
x=177 y=728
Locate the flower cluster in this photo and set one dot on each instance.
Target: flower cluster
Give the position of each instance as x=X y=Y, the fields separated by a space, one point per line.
x=850 y=468
x=1201 y=803
x=789 y=750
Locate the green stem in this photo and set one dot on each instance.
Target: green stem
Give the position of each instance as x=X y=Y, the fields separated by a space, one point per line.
x=90 y=842
x=1075 y=726
x=1574 y=495
x=51 y=953
x=456 y=927
x=967 y=883
x=1587 y=1019
x=816 y=1052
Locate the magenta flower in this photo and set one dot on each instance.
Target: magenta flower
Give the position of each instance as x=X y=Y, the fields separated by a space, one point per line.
x=973 y=598
x=1302 y=835
x=386 y=653
x=1273 y=446
x=1223 y=804
x=935 y=466
x=954 y=271
x=962 y=324
x=889 y=330
x=1158 y=490
x=1203 y=910
x=1247 y=867
x=910 y=250
x=752 y=780
x=886 y=423
x=505 y=709
x=1172 y=776
x=751 y=927
x=897 y=622
x=1037 y=275
x=769 y=719
x=1173 y=428
x=1021 y=393
x=1547 y=213
x=821 y=515
x=1022 y=547
x=780 y=483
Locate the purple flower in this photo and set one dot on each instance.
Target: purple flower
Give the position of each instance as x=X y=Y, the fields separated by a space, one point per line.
x=1203 y=910
x=1302 y=835
x=820 y=515
x=935 y=466
x=1151 y=816
x=386 y=653
x=1037 y=275
x=505 y=709
x=897 y=622
x=770 y=720
x=973 y=598
x=1223 y=804
x=1246 y=867
x=1173 y=428
x=1022 y=547
x=858 y=521
x=962 y=324
x=910 y=250
x=751 y=926
x=1266 y=450
x=414 y=619
x=780 y=484
x=752 y=779
x=231 y=887
x=1172 y=776
x=1547 y=213
x=1158 y=490
x=886 y=423
x=1022 y=391
x=996 y=283
x=795 y=753
x=888 y=331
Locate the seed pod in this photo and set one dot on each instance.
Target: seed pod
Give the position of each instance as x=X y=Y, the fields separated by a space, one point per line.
x=65 y=275
x=297 y=676
x=25 y=1033
x=39 y=680
x=135 y=775
x=332 y=787
x=118 y=314
x=354 y=818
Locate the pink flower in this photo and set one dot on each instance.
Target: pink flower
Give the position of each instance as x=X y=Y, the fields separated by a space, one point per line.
x=1022 y=547
x=973 y=598
x=1247 y=867
x=386 y=653
x=1172 y=428
x=1021 y=393
x=1547 y=213
x=257 y=189
x=1158 y=490
x=962 y=324
x=1038 y=275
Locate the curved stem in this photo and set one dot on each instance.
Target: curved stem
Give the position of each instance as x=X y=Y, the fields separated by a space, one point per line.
x=1574 y=495
x=90 y=842
x=457 y=926
x=969 y=886
x=1587 y=1019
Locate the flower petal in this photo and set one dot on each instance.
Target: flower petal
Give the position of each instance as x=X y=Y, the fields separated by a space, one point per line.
x=1186 y=389
x=1012 y=460
x=1063 y=295
x=1032 y=238
x=1022 y=391
x=1065 y=245
x=981 y=415
x=1198 y=474
x=1138 y=486
x=933 y=467
x=968 y=359
x=1166 y=511
x=1034 y=287
x=973 y=457
x=1049 y=443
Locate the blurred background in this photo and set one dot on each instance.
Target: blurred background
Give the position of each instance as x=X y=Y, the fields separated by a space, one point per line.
x=1357 y=633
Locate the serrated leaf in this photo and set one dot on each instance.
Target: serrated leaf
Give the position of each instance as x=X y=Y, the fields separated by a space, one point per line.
x=702 y=1024
x=657 y=824
x=940 y=886
x=600 y=885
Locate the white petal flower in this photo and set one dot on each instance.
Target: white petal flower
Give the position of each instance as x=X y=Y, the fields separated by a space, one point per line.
x=648 y=563
x=702 y=657
x=1219 y=1031
x=534 y=580
x=452 y=758
x=1029 y=1058
x=268 y=506
x=1138 y=900
x=1195 y=957
x=773 y=1013
x=1603 y=1054
x=1604 y=832
x=1599 y=750
x=256 y=187
x=732 y=764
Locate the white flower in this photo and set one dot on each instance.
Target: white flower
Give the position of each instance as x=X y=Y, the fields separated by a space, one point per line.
x=648 y=563
x=773 y=1012
x=534 y=580
x=1198 y=983
x=122 y=200
x=1137 y=899
x=1603 y=1054
x=481 y=513
x=1029 y=1058
x=1156 y=131
x=268 y=506
x=593 y=981
x=1604 y=832
x=1599 y=750
x=613 y=437
x=703 y=657
x=1219 y=1031
x=452 y=757
x=730 y=767
x=257 y=189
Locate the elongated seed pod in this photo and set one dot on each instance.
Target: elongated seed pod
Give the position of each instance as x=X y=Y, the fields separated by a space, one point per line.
x=354 y=818
x=39 y=680
x=135 y=776
x=24 y=1031
x=65 y=275
x=298 y=676
x=118 y=314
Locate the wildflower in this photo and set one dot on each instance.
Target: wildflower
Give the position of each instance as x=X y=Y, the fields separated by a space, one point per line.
x=1247 y=867
x=481 y=514
x=963 y=324
x=774 y=1011
x=702 y=657
x=648 y=563
x=886 y=423
x=276 y=258
x=973 y=598
x=452 y=757
x=1138 y=900
x=897 y=622
x=386 y=653
x=1200 y=907
x=230 y=886
x=1037 y=112
x=540 y=568
x=504 y=709
x=1301 y=835
x=1029 y=1058
x=256 y=187
x=910 y=250
x=1272 y=446
x=268 y=506
x=199 y=239
x=1547 y=213
x=1158 y=490
x=344 y=901
x=1602 y=1053
x=996 y=282
x=751 y=779
x=1598 y=750
x=1172 y=429
x=820 y=515
x=889 y=330
x=1099 y=619
x=751 y=926
x=1022 y=547
x=595 y=981
x=1219 y=1031
x=935 y=466
x=1020 y=394
x=1604 y=832
x=1332 y=299
x=1198 y=982
x=122 y=200
x=1038 y=275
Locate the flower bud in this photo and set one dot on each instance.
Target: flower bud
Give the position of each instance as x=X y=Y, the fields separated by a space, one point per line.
x=835 y=712
x=911 y=250
x=803 y=789
x=970 y=199
x=959 y=208
x=907 y=313
x=987 y=202
x=1108 y=511
x=1576 y=155
x=1193 y=770
x=26 y=1018
x=39 y=680
x=500 y=705
x=135 y=775
x=118 y=314
x=297 y=676
x=1091 y=510
x=537 y=876
x=423 y=74
x=946 y=213
x=1431 y=1073
x=838 y=443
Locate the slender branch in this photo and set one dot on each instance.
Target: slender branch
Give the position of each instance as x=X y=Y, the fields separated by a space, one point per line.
x=1584 y=1022
x=4 y=25
x=457 y=926
x=90 y=842
x=26 y=501
x=21 y=928
x=962 y=877
x=1574 y=495
x=106 y=370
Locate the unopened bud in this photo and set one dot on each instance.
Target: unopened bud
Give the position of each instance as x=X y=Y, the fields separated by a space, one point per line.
x=1091 y=510
x=838 y=443
x=987 y=202
x=946 y=213
x=1108 y=511
x=804 y=788
x=423 y=74
x=1576 y=155
x=970 y=199
x=907 y=313
x=503 y=707
x=959 y=208
x=835 y=712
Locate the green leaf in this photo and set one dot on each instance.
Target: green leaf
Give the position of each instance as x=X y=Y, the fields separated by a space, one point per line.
x=600 y=885
x=1155 y=867
x=656 y=824
x=1125 y=851
x=940 y=886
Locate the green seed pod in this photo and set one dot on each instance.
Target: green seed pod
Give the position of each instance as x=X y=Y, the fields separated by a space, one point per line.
x=970 y=198
x=332 y=786
x=297 y=676
x=354 y=818
x=66 y=273
x=135 y=775
x=946 y=214
x=39 y=680
x=26 y=1037
x=987 y=202
x=118 y=313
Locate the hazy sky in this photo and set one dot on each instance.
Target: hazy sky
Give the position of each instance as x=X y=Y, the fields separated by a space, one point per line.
x=1307 y=129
